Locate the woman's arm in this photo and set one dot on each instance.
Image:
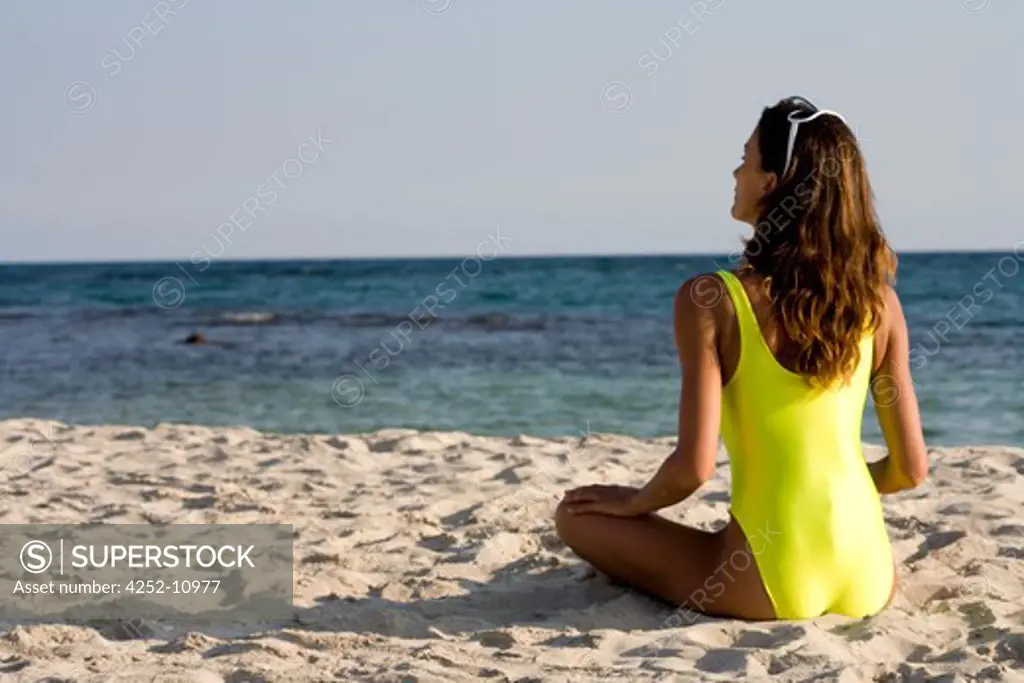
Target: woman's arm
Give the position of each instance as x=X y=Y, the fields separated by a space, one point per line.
x=693 y=461
x=892 y=389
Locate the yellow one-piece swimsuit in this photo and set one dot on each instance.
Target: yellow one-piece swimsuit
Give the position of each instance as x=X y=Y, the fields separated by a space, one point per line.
x=801 y=490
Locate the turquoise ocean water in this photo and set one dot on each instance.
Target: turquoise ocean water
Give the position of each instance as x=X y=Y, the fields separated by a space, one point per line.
x=541 y=346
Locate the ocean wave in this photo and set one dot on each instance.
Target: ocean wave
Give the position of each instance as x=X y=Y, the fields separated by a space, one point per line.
x=249 y=317
x=15 y=315
x=503 y=321
x=371 y=319
x=487 y=320
x=490 y=321
x=307 y=271
x=498 y=296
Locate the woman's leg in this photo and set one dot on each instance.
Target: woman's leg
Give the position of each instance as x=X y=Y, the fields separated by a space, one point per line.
x=677 y=563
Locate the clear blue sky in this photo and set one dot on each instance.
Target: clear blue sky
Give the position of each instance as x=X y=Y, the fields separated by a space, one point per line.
x=449 y=122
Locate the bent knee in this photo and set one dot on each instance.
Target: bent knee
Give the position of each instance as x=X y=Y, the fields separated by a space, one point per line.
x=570 y=526
x=563 y=520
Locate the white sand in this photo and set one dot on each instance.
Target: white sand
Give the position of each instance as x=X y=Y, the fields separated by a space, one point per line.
x=432 y=557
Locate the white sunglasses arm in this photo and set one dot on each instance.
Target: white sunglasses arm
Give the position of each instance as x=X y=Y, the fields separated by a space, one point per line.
x=794 y=124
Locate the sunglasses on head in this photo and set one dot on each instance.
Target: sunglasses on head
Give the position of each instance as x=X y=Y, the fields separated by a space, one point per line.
x=802 y=115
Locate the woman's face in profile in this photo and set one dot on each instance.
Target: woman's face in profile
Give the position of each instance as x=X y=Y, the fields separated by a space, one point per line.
x=752 y=183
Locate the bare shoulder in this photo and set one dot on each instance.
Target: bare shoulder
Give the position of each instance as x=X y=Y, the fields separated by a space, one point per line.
x=699 y=296
x=892 y=319
x=892 y=323
x=698 y=307
x=892 y=301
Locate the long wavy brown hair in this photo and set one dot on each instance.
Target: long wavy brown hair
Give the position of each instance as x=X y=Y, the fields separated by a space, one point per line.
x=818 y=243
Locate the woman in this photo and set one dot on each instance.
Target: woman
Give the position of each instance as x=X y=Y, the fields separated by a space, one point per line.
x=780 y=355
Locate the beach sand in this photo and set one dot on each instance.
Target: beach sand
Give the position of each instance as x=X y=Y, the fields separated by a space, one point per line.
x=428 y=556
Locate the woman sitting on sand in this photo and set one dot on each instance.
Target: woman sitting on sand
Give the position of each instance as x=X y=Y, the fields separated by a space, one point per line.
x=780 y=354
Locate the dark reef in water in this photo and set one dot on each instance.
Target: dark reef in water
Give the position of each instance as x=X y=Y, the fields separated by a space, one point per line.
x=199 y=339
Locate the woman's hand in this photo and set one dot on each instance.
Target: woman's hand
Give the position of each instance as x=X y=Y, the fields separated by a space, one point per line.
x=617 y=501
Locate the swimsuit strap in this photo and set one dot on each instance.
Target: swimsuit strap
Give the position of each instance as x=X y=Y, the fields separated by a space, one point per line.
x=750 y=330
